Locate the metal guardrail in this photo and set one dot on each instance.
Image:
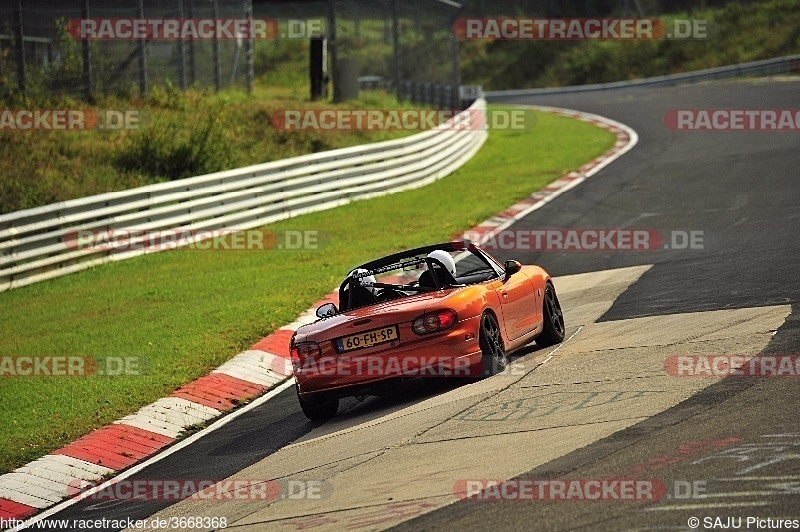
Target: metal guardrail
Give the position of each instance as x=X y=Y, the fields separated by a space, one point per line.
x=766 y=67
x=38 y=244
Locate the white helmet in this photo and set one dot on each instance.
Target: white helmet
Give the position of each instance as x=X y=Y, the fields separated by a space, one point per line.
x=368 y=280
x=445 y=258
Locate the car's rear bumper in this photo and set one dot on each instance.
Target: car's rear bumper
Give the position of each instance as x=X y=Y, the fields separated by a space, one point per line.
x=452 y=353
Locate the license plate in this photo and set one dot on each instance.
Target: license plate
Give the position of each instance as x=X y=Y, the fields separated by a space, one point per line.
x=366 y=339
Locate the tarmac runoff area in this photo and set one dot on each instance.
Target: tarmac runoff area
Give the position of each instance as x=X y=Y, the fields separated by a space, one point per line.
x=382 y=470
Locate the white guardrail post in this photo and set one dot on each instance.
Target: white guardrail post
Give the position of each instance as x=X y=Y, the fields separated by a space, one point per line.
x=40 y=243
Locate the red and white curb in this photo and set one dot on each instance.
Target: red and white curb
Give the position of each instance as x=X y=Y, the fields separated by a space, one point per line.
x=111 y=449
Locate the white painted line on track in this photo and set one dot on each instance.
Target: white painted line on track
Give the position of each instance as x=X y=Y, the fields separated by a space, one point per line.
x=553 y=352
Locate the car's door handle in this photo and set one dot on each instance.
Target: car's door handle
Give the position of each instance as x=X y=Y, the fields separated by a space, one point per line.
x=505 y=294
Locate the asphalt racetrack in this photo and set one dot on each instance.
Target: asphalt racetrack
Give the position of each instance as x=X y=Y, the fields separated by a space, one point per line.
x=600 y=407
x=741 y=190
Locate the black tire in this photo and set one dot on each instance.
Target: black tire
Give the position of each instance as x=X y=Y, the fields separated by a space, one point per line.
x=553 y=330
x=318 y=408
x=494 y=359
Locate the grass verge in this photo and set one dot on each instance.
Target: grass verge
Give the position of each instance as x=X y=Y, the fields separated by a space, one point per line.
x=185 y=312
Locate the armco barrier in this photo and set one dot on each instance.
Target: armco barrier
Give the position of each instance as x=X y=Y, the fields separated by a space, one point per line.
x=767 y=67
x=34 y=242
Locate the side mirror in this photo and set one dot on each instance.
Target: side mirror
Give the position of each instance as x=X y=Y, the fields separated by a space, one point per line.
x=512 y=267
x=327 y=310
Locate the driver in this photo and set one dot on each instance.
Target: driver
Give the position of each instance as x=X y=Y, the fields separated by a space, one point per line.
x=367 y=281
x=426 y=279
x=445 y=258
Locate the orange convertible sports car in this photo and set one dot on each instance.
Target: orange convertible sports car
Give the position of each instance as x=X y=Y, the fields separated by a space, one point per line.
x=449 y=309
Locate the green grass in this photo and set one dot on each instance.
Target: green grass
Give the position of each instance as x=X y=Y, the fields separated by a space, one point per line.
x=187 y=311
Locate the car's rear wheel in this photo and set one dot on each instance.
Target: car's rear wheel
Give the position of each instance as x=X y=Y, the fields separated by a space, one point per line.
x=553 y=329
x=318 y=408
x=493 y=352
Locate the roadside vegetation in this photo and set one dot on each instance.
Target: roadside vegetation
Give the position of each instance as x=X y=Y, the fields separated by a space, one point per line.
x=198 y=131
x=738 y=32
x=184 y=312
x=182 y=134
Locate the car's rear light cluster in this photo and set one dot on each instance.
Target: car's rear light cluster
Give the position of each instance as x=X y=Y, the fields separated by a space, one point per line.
x=302 y=351
x=434 y=321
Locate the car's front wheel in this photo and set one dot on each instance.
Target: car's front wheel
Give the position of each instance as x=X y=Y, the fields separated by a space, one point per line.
x=553 y=328
x=493 y=352
x=317 y=408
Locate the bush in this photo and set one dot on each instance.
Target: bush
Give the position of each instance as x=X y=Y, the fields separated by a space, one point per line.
x=167 y=149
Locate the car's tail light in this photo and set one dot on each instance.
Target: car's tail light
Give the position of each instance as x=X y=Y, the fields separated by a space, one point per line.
x=303 y=351
x=434 y=321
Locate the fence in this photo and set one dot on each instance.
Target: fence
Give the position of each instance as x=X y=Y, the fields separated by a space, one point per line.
x=65 y=64
x=34 y=243
x=401 y=40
